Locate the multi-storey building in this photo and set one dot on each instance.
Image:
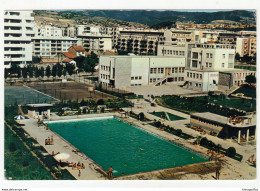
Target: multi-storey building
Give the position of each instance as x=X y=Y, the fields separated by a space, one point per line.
x=131 y=70
x=51 y=46
x=246 y=46
x=47 y=30
x=138 y=42
x=87 y=30
x=174 y=37
x=18 y=30
x=95 y=43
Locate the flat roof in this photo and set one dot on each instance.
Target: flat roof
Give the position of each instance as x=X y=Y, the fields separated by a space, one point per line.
x=40 y=105
x=211 y=117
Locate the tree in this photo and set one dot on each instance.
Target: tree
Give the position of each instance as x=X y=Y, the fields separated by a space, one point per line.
x=237 y=56
x=141 y=116
x=48 y=71
x=36 y=72
x=70 y=68
x=54 y=71
x=231 y=152
x=24 y=72
x=12 y=147
x=204 y=141
x=178 y=132
x=64 y=72
x=30 y=71
x=6 y=72
x=42 y=72
x=80 y=62
x=251 y=79
x=100 y=102
x=59 y=70
x=36 y=59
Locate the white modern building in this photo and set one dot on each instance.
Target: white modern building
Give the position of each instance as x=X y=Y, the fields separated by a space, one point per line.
x=132 y=70
x=18 y=31
x=47 y=30
x=51 y=46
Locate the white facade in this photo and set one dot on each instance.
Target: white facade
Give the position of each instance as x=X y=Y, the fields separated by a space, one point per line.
x=47 y=30
x=18 y=30
x=125 y=71
x=211 y=56
x=88 y=30
x=201 y=80
x=51 y=46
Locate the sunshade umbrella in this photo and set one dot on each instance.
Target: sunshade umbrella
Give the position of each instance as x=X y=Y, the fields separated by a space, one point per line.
x=62 y=156
x=19 y=117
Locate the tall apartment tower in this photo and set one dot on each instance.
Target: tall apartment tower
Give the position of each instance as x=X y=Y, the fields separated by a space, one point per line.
x=18 y=30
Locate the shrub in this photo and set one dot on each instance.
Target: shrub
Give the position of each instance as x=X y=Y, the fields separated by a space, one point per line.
x=141 y=116
x=84 y=110
x=102 y=109
x=231 y=152
x=157 y=124
x=204 y=141
x=178 y=132
x=25 y=163
x=12 y=147
x=100 y=102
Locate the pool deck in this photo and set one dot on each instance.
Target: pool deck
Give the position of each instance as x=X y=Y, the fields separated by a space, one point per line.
x=232 y=169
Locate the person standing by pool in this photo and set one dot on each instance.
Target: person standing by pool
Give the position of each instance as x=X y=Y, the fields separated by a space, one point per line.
x=110 y=172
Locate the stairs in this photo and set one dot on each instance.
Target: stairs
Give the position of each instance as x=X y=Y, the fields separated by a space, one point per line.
x=161 y=81
x=233 y=89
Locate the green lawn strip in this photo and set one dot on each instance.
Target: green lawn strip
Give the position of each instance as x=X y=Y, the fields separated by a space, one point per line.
x=207 y=104
x=46 y=162
x=21 y=164
x=174 y=132
x=172 y=117
x=248 y=92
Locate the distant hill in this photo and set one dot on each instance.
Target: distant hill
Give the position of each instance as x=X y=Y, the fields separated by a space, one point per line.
x=141 y=18
x=153 y=17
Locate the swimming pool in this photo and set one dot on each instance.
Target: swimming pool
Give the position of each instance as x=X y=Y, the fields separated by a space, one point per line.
x=128 y=149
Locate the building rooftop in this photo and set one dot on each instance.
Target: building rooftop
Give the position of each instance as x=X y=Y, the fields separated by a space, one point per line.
x=49 y=61
x=211 y=117
x=40 y=105
x=225 y=120
x=69 y=55
x=66 y=60
x=78 y=48
x=53 y=38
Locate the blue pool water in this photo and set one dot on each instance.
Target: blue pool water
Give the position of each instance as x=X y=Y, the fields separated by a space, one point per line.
x=126 y=148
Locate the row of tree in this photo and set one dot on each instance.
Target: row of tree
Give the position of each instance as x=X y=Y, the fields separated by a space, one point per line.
x=88 y=63
x=31 y=71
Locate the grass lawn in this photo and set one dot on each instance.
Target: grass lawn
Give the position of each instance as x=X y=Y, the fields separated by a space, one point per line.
x=231 y=102
x=247 y=91
x=19 y=163
x=171 y=116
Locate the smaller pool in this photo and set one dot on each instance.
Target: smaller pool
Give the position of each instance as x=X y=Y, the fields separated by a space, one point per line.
x=167 y=116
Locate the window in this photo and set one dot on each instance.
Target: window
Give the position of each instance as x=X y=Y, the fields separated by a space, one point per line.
x=136 y=77
x=210 y=55
x=223 y=56
x=140 y=77
x=188 y=74
x=194 y=63
x=200 y=76
x=197 y=76
x=230 y=65
x=210 y=65
x=231 y=56
x=193 y=75
x=132 y=78
x=207 y=64
x=223 y=65
x=195 y=55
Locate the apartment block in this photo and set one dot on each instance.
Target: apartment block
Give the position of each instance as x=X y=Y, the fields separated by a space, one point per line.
x=246 y=46
x=51 y=46
x=138 y=42
x=132 y=70
x=47 y=30
x=18 y=31
x=95 y=43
